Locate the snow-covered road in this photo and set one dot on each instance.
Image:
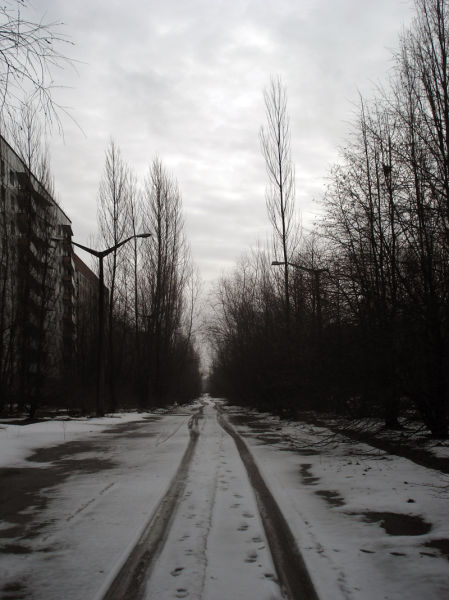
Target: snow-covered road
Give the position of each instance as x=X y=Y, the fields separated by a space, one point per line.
x=216 y=547
x=77 y=496
x=73 y=510
x=95 y=496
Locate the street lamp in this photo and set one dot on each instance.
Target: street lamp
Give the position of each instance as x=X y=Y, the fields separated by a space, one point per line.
x=316 y=273
x=100 y=254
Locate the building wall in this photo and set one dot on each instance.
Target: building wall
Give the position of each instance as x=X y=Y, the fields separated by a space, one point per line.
x=86 y=316
x=37 y=292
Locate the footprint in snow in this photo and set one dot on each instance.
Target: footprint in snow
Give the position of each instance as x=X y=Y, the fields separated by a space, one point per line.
x=248 y=515
x=182 y=593
x=251 y=557
x=177 y=571
x=243 y=527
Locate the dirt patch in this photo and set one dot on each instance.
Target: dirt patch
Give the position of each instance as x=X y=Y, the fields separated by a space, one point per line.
x=441 y=545
x=397 y=523
x=333 y=498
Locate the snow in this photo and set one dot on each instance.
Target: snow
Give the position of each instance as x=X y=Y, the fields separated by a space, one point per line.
x=347 y=556
x=18 y=441
x=93 y=520
x=331 y=491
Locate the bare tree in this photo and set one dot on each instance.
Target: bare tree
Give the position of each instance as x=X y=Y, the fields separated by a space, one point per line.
x=29 y=53
x=167 y=271
x=114 y=226
x=280 y=195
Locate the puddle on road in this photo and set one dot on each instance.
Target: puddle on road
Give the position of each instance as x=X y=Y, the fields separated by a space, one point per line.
x=62 y=450
x=27 y=492
x=307 y=452
x=129 y=429
x=306 y=474
x=332 y=497
x=15 y=549
x=13 y=591
x=270 y=438
x=397 y=523
x=441 y=545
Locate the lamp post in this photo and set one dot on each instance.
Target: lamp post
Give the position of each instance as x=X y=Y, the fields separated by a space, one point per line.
x=100 y=254
x=316 y=273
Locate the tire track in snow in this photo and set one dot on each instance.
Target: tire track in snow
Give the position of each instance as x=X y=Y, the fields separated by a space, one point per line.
x=215 y=549
x=89 y=502
x=129 y=582
x=289 y=563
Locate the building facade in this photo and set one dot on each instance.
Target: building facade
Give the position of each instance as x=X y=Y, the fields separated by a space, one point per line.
x=86 y=318
x=37 y=286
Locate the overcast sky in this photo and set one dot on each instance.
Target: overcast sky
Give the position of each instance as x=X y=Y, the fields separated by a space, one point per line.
x=183 y=80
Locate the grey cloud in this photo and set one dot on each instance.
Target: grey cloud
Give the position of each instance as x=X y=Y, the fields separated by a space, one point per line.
x=183 y=79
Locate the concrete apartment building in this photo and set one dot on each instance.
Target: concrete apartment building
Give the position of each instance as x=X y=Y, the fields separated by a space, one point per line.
x=39 y=275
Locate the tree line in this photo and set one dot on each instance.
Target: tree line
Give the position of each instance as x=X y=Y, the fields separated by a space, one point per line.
x=354 y=316
x=152 y=287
